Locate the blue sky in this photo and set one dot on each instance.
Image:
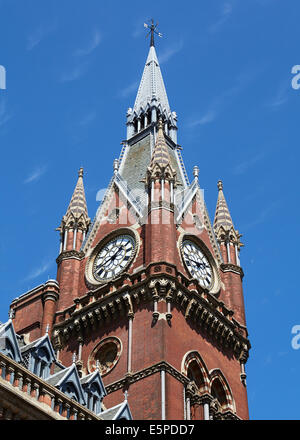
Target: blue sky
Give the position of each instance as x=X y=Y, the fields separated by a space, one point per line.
x=73 y=69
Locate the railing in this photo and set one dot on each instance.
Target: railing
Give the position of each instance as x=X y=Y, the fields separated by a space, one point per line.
x=97 y=213
x=51 y=402
x=179 y=155
x=183 y=199
x=138 y=204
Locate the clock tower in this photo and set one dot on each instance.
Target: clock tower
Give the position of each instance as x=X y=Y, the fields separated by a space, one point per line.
x=150 y=291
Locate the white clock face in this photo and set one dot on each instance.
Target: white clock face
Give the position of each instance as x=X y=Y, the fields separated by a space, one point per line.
x=197 y=263
x=113 y=257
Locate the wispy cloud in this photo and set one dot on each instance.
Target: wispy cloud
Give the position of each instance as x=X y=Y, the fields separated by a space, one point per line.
x=170 y=51
x=225 y=14
x=35 y=175
x=90 y=46
x=4 y=114
x=215 y=107
x=39 y=34
x=128 y=90
x=219 y=102
x=262 y=215
x=208 y=117
x=138 y=29
x=242 y=167
x=40 y=270
x=281 y=95
x=74 y=73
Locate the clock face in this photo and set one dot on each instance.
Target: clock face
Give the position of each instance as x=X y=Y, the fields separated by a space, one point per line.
x=197 y=263
x=113 y=257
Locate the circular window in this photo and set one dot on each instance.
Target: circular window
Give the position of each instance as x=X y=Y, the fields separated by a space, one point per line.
x=105 y=355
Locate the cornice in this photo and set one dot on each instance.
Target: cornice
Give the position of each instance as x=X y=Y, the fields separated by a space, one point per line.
x=130 y=378
x=229 y=267
x=107 y=304
x=66 y=255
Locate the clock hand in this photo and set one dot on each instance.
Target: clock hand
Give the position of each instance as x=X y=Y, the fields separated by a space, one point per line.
x=111 y=258
x=197 y=263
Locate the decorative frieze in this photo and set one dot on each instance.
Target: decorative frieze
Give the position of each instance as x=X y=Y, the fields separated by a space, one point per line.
x=200 y=307
x=66 y=255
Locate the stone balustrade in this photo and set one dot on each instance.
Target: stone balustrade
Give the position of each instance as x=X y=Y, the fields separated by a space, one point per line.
x=39 y=396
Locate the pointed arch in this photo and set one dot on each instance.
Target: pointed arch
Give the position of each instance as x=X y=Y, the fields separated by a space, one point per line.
x=221 y=390
x=195 y=369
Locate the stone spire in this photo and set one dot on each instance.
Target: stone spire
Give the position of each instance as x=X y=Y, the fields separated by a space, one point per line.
x=152 y=87
x=76 y=218
x=224 y=229
x=222 y=214
x=160 y=164
x=151 y=101
x=78 y=207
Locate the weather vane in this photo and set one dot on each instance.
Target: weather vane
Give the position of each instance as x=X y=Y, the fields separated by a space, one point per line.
x=152 y=31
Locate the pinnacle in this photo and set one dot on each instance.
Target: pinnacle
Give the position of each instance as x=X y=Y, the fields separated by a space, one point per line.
x=77 y=208
x=160 y=154
x=222 y=215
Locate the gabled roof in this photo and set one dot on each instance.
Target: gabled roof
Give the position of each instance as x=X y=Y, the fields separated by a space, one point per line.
x=45 y=342
x=93 y=378
x=69 y=374
x=7 y=333
x=120 y=411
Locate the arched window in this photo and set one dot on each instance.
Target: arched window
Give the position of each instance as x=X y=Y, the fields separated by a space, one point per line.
x=195 y=369
x=70 y=391
x=219 y=393
x=194 y=373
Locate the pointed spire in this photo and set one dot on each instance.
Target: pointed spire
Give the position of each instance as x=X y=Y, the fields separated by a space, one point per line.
x=151 y=99
x=223 y=224
x=77 y=204
x=77 y=213
x=152 y=87
x=161 y=161
x=222 y=215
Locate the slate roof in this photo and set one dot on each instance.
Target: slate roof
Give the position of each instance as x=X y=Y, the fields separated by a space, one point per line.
x=151 y=85
x=115 y=411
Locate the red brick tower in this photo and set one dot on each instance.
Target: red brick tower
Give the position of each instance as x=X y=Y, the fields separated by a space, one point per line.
x=153 y=292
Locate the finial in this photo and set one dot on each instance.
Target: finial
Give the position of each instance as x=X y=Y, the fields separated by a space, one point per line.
x=97 y=365
x=47 y=329
x=220 y=185
x=196 y=172
x=160 y=124
x=80 y=172
x=126 y=395
x=152 y=31
x=74 y=358
x=11 y=314
x=116 y=166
